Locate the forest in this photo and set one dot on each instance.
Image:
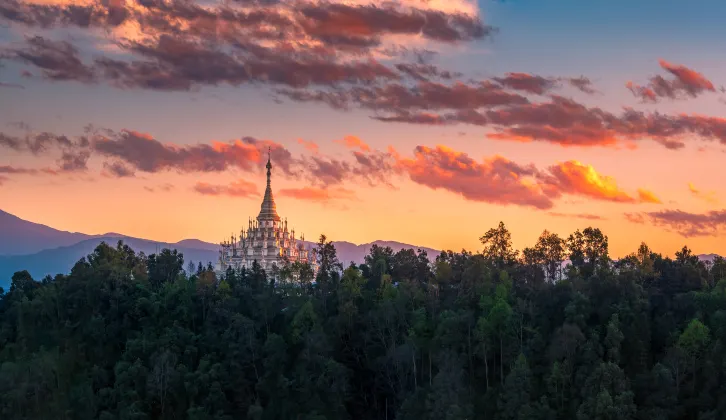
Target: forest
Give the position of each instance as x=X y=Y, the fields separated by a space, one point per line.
x=496 y=334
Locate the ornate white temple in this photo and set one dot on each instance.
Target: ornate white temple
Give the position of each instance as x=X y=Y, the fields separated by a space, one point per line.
x=267 y=240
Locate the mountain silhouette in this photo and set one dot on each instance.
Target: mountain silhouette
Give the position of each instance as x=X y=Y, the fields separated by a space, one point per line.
x=43 y=250
x=19 y=237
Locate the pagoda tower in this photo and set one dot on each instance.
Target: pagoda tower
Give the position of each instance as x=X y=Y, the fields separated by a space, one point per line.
x=266 y=240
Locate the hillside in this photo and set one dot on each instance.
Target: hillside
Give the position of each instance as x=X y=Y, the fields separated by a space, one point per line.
x=20 y=237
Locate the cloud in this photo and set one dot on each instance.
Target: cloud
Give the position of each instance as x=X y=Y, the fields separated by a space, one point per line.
x=163 y=187
x=374 y=167
x=323 y=195
x=424 y=118
x=310 y=146
x=353 y=142
x=128 y=151
x=690 y=224
x=10 y=142
x=527 y=82
x=144 y=153
x=57 y=60
x=74 y=161
x=687 y=83
x=709 y=196
x=583 y=84
x=498 y=180
x=358 y=24
x=584 y=216
x=178 y=45
x=5 y=169
x=573 y=177
x=645 y=196
x=331 y=53
x=425 y=95
x=425 y=72
x=495 y=180
x=11 y=85
x=118 y=170
x=44 y=141
x=38 y=143
x=636 y=218
x=95 y=14
x=239 y=188
x=513 y=116
x=565 y=122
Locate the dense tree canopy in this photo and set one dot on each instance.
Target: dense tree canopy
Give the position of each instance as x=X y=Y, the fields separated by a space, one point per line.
x=500 y=334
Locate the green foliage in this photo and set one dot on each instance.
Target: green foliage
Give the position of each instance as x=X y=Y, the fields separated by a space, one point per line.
x=496 y=335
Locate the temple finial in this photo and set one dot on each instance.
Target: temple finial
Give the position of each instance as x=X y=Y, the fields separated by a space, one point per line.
x=269 y=166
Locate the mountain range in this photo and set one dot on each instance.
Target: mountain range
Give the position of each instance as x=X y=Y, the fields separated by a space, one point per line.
x=43 y=250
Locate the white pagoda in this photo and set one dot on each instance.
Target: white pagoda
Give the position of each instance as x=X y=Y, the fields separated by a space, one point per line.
x=266 y=240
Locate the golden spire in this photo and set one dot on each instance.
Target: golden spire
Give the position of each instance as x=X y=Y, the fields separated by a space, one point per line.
x=268 y=210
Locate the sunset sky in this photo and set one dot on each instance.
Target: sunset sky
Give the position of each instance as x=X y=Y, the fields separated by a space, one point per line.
x=424 y=122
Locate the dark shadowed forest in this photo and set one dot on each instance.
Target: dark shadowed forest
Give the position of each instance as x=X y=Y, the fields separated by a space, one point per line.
x=499 y=334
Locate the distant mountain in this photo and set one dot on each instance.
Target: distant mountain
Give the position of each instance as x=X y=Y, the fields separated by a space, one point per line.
x=61 y=260
x=43 y=250
x=708 y=257
x=197 y=244
x=20 y=237
x=348 y=252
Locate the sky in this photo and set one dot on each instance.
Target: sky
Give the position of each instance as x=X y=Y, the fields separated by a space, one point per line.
x=423 y=122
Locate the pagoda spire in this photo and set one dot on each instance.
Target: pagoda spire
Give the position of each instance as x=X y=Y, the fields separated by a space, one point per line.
x=269 y=168
x=268 y=210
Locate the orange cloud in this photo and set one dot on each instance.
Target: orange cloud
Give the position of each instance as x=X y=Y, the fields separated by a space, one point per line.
x=353 y=142
x=573 y=177
x=498 y=180
x=646 y=196
x=240 y=188
x=495 y=180
x=309 y=145
x=645 y=93
x=709 y=197
x=318 y=194
x=142 y=152
x=687 y=83
x=688 y=77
